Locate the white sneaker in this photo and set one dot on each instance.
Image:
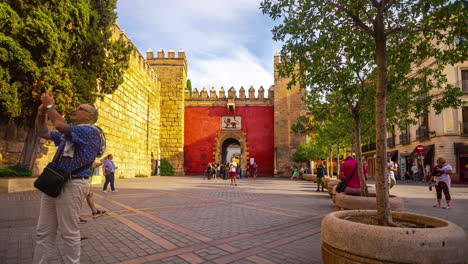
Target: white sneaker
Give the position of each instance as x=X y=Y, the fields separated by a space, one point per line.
x=104 y=191
x=115 y=191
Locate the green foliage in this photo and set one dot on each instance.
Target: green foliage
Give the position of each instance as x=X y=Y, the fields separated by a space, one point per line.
x=189 y=86
x=140 y=175
x=166 y=168
x=309 y=151
x=335 y=53
x=64 y=46
x=15 y=171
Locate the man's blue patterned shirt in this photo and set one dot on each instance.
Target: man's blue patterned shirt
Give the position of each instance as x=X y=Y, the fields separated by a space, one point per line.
x=86 y=141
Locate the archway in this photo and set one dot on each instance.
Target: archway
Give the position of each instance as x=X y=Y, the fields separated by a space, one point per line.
x=228 y=138
x=230 y=147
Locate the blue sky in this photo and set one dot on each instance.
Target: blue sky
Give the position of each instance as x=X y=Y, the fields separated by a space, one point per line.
x=227 y=42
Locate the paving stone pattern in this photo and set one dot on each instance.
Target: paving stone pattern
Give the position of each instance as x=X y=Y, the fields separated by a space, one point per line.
x=190 y=220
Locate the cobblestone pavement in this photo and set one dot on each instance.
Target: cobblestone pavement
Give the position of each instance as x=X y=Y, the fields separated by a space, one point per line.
x=189 y=220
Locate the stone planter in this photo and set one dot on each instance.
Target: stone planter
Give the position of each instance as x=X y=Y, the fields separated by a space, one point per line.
x=344 y=241
x=11 y=185
x=310 y=177
x=345 y=201
x=330 y=184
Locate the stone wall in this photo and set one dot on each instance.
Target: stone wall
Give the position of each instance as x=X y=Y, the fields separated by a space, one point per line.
x=172 y=72
x=288 y=107
x=129 y=117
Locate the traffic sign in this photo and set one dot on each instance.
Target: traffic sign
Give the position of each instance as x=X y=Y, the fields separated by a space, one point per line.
x=420 y=148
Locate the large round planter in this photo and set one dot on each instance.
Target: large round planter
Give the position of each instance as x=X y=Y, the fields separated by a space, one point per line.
x=344 y=241
x=308 y=177
x=345 y=201
x=330 y=184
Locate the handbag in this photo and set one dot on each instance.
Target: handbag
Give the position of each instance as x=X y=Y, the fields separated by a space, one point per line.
x=53 y=178
x=341 y=186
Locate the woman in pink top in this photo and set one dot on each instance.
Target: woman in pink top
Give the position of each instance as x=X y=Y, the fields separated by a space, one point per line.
x=350 y=174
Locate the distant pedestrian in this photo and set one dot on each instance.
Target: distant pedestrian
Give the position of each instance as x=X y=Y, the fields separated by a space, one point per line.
x=415 y=172
x=392 y=167
x=255 y=170
x=295 y=172
x=320 y=175
x=442 y=178
x=232 y=173
x=109 y=172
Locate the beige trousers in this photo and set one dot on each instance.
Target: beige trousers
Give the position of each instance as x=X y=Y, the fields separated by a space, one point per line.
x=60 y=216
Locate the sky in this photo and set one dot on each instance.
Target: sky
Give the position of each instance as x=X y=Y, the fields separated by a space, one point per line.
x=228 y=43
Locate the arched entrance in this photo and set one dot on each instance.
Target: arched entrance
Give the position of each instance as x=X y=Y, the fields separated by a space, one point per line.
x=230 y=148
x=233 y=139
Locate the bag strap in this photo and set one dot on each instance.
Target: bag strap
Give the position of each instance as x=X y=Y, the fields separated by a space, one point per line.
x=352 y=174
x=80 y=169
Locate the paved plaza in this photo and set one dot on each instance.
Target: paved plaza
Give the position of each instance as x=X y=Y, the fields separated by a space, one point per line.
x=191 y=220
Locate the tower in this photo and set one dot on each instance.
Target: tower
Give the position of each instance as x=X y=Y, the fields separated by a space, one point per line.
x=288 y=107
x=172 y=74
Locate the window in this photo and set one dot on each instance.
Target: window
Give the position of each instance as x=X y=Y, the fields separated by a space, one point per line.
x=423 y=131
x=464 y=81
x=405 y=136
x=465 y=121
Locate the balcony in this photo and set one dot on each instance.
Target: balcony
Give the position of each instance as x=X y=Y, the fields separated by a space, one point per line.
x=391 y=142
x=405 y=139
x=422 y=133
x=368 y=147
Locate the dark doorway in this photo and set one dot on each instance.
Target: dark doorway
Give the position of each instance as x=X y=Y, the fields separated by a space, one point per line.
x=228 y=143
x=464 y=169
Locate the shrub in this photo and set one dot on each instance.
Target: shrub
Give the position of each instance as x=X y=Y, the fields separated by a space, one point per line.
x=15 y=171
x=166 y=168
x=140 y=175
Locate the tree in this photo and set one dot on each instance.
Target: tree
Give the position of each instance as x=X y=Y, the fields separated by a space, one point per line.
x=397 y=37
x=189 y=86
x=65 y=46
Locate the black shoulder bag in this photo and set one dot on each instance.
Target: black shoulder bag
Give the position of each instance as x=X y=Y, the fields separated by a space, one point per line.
x=53 y=178
x=341 y=186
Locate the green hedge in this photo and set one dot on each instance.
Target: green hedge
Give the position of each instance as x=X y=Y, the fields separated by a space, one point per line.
x=166 y=168
x=15 y=171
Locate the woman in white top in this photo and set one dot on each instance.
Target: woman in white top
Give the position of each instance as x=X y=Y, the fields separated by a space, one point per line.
x=443 y=182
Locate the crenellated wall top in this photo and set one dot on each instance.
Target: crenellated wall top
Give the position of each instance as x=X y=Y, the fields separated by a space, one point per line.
x=220 y=97
x=117 y=33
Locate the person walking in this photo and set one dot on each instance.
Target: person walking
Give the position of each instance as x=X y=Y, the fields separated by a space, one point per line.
x=79 y=144
x=255 y=170
x=442 y=178
x=392 y=167
x=232 y=173
x=295 y=171
x=109 y=172
x=415 y=172
x=320 y=175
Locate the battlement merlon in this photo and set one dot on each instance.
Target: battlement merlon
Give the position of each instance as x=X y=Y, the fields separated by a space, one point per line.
x=117 y=33
x=170 y=60
x=213 y=98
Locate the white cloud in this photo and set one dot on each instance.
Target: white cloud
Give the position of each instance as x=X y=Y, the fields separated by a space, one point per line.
x=238 y=68
x=227 y=43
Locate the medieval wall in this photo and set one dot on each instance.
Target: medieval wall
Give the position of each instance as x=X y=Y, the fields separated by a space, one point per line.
x=172 y=72
x=288 y=107
x=204 y=137
x=129 y=117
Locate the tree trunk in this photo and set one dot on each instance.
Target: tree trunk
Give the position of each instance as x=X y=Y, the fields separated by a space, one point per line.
x=384 y=216
x=28 y=154
x=358 y=151
x=331 y=162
